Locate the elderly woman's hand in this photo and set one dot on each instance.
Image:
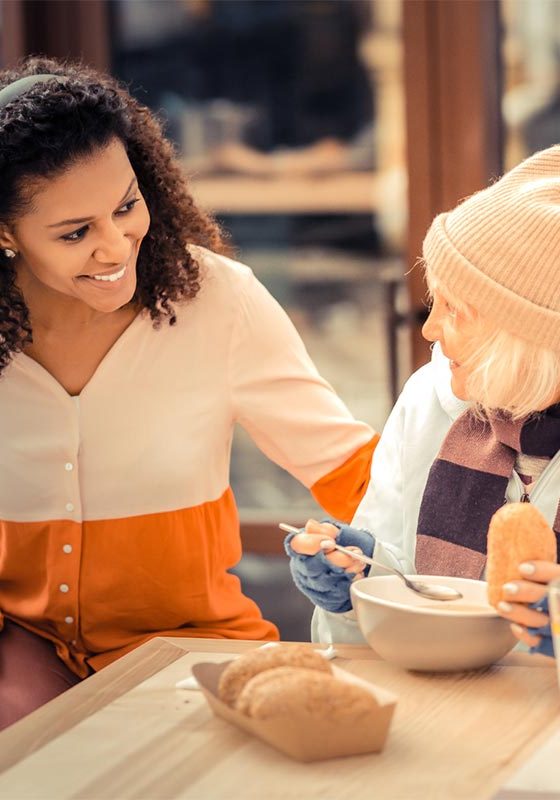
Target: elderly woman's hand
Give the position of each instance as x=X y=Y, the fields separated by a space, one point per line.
x=322 y=575
x=526 y=607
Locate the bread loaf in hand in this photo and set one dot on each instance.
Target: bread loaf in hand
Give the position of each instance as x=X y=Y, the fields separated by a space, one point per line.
x=518 y=532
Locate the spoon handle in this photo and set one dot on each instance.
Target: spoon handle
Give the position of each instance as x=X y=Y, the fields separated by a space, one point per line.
x=434 y=592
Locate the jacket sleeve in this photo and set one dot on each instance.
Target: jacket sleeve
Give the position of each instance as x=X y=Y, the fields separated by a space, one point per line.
x=380 y=512
x=290 y=411
x=382 y=508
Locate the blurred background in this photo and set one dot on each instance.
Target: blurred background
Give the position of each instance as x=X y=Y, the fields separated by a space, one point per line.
x=324 y=135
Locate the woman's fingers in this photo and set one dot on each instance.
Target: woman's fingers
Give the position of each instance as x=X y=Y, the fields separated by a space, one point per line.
x=540 y=571
x=308 y=543
x=355 y=566
x=343 y=559
x=522 y=614
x=524 y=636
x=324 y=529
x=517 y=594
x=530 y=589
x=523 y=591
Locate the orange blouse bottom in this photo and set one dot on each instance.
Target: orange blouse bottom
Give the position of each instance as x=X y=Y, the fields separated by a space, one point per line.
x=101 y=588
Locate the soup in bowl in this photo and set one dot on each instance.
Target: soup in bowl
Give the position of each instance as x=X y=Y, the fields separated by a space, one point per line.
x=430 y=635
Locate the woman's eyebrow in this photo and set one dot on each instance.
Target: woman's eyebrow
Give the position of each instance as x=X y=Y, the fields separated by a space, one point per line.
x=82 y=220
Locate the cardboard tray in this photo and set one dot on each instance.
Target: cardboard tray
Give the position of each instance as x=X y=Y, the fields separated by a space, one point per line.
x=300 y=737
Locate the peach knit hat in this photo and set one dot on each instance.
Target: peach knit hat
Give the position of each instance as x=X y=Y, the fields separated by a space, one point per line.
x=499 y=250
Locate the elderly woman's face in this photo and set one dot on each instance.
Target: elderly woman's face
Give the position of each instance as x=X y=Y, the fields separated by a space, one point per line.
x=81 y=235
x=446 y=325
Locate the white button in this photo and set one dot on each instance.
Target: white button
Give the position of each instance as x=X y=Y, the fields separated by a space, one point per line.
x=73 y=641
x=68 y=467
x=67 y=548
x=64 y=587
x=68 y=620
x=69 y=506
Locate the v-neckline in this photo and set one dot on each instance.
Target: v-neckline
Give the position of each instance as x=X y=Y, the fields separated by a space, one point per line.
x=35 y=365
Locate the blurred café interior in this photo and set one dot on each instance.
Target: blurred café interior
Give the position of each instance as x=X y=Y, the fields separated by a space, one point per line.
x=324 y=135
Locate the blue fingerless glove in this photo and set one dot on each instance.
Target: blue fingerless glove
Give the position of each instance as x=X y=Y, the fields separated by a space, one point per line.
x=545 y=645
x=325 y=584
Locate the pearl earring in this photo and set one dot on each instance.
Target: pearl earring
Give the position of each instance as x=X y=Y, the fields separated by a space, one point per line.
x=9 y=253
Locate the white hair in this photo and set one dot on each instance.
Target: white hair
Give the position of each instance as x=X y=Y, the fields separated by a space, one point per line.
x=505 y=371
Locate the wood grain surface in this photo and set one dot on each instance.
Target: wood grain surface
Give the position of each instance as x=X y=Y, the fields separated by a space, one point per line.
x=127 y=732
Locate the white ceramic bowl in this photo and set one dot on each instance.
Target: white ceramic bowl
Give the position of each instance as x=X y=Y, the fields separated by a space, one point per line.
x=430 y=635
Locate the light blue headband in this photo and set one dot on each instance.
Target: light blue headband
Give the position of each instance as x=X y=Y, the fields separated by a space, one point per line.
x=22 y=85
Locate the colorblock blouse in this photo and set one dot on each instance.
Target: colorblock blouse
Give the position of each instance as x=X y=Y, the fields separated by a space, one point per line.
x=117 y=521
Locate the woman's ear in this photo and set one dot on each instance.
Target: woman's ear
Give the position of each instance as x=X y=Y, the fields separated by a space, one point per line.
x=7 y=243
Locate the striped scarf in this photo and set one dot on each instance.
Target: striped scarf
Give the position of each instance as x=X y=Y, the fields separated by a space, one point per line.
x=467 y=483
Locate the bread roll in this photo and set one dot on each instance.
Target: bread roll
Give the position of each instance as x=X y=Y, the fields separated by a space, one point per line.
x=238 y=672
x=518 y=532
x=296 y=692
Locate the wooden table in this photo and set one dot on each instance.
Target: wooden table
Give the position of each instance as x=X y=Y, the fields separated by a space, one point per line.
x=128 y=733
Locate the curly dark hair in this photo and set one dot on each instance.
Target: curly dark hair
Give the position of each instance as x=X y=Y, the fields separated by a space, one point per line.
x=48 y=129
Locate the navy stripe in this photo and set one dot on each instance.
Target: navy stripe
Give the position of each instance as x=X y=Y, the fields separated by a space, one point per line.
x=540 y=436
x=458 y=504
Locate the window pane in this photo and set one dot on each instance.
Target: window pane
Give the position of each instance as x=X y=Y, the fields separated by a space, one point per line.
x=531 y=59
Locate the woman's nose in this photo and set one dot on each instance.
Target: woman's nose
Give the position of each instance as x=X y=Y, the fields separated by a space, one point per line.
x=431 y=328
x=113 y=246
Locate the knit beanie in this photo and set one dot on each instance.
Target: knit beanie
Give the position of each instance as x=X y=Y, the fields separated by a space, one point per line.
x=499 y=250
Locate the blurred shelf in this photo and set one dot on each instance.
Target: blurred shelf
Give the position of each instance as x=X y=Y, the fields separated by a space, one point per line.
x=338 y=193
x=315 y=265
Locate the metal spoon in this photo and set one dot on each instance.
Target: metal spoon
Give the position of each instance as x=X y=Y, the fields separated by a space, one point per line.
x=430 y=590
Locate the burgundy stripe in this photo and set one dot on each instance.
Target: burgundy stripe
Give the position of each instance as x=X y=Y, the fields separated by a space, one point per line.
x=436 y=557
x=475 y=447
x=507 y=432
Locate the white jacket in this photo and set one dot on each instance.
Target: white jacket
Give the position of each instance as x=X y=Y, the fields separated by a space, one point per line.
x=409 y=444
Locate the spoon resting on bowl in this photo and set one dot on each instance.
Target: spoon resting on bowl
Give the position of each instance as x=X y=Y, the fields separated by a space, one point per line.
x=430 y=590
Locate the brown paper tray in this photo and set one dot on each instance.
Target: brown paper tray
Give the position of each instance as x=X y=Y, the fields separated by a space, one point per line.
x=299 y=737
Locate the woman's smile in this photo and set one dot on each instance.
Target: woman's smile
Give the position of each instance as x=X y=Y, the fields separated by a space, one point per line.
x=452 y=363
x=107 y=276
x=116 y=285
x=106 y=280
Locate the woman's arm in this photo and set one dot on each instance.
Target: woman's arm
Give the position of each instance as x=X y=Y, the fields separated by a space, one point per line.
x=292 y=414
x=326 y=577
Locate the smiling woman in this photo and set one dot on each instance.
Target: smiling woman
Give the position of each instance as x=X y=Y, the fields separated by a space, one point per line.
x=90 y=258
x=117 y=521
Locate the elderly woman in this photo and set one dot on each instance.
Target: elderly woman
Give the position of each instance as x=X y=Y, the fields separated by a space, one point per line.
x=477 y=427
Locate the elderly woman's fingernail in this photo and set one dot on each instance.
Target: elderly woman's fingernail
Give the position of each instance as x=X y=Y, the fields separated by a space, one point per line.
x=505 y=607
x=510 y=588
x=327 y=544
x=517 y=629
x=527 y=568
